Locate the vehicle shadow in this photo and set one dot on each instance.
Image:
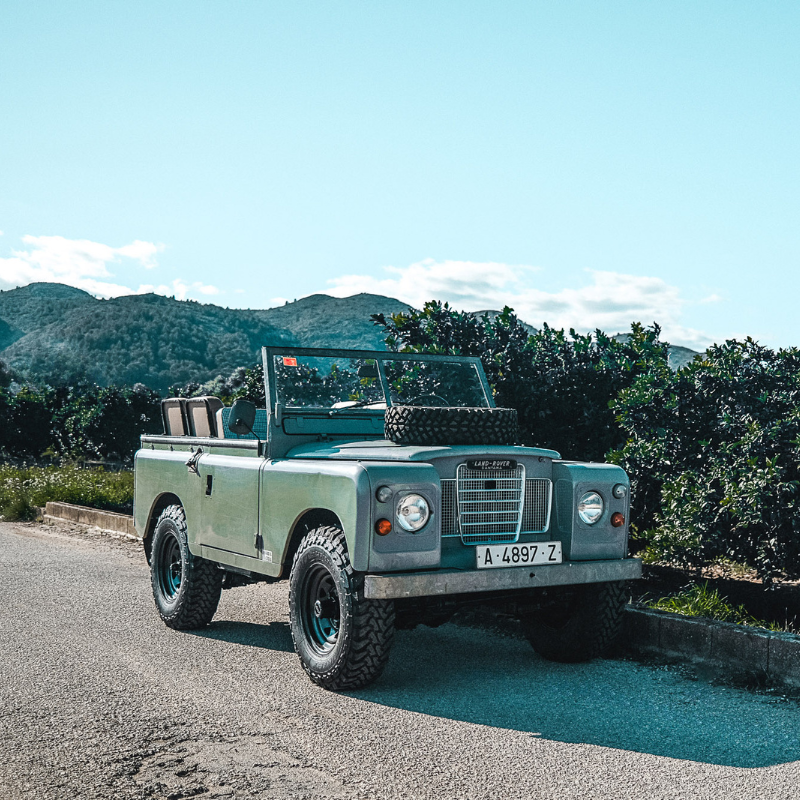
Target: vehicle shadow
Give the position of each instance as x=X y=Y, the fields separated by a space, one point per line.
x=479 y=677
x=272 y=636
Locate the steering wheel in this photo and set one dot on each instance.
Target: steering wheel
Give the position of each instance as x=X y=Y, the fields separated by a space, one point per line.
x=441 y=401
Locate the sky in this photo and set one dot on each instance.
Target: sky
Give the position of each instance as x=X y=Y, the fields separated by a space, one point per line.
x=588 y=163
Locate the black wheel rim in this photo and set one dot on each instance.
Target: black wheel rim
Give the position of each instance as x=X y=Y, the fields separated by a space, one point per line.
x=170 y=567
x=319 y=609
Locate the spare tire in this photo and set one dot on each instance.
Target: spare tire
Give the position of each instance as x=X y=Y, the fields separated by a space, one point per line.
x=433 y=425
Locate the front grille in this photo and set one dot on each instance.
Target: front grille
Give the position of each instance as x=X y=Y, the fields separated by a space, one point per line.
x=499 y=528
x=449 y=508
x=536 y=514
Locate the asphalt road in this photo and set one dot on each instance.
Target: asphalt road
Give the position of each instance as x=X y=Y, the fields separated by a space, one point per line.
x=98 y=699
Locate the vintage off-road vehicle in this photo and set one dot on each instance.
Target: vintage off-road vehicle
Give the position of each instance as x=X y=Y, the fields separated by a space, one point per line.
x=390 y=492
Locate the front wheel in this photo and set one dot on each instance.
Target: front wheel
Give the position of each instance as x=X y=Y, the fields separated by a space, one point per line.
x=577 y=623
x=186 y=588
x=342 y=639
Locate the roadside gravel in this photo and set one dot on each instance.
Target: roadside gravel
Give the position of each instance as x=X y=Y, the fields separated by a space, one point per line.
x=98 y=699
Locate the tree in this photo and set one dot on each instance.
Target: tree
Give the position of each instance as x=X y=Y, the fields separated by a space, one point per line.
x=560 y=384
x=715 y=455
x=105 y=422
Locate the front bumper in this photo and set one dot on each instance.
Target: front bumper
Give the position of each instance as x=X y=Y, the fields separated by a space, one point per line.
x=443 y=582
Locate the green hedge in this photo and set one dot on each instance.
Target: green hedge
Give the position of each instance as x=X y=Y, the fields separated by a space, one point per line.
x=714 y=454
x=81 y=421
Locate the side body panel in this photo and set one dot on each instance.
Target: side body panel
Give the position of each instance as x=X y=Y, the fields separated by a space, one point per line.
x=157 y=472
x=227 y=490
x=290 y=488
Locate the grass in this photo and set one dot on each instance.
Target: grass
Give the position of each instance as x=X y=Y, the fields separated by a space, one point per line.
x=702 y=601
x=24 y=488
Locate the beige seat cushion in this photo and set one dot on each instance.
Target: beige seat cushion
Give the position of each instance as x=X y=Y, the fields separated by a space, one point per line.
x=173 y=413
x=202 y=413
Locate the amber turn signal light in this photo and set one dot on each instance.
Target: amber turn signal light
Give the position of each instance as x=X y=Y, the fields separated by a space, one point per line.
x=382 y=527
x=617 y=519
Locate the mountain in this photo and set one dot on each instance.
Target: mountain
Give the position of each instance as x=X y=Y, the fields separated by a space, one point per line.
x=323 y=321
x=677 y=357
x=36 y=305
x=57 y=333
x=680 y=356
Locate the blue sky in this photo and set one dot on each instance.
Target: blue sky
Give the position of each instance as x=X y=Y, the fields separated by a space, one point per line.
x=587 y=163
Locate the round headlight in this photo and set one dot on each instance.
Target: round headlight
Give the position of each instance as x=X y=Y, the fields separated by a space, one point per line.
x=590 y=508
x=412 y=512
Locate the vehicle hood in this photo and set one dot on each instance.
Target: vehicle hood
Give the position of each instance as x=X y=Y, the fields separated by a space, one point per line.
x=385 y=450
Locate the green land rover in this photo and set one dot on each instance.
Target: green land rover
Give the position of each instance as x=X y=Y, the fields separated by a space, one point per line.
x=390 y=492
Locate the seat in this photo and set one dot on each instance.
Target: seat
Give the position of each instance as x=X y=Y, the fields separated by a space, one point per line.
x=173 y=414
x=202 y=416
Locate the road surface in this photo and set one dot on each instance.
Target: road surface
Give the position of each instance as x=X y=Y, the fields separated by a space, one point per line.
x=98 y=699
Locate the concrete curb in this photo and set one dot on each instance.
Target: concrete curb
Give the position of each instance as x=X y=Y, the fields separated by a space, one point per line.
x=719 y=649
x=735 y=651
x=105 y=520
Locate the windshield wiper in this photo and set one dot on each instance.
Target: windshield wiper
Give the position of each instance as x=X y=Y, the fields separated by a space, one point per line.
x=358 y=404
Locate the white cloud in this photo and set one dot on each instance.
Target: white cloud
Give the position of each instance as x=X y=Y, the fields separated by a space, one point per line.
x=178 y=289
x=86 y=265
x=611 y=301
x=468 y=284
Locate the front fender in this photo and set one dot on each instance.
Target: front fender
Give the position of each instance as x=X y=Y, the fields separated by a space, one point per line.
x=291 y=487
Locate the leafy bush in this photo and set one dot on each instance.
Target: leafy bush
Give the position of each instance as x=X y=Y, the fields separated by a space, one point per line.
x=23 y=489
x=82 y=421
x=26 y=421
x=560 y=384
x=105 y=422
x=714 y=456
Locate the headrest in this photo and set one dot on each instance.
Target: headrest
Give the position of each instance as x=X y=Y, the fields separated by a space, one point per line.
x=173 y=414
x=202 y=415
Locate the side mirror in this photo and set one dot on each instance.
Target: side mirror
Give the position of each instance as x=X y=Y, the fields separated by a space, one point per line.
x=242 y=418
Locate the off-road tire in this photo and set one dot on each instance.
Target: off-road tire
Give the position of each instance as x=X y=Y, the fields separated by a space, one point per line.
x=433 y=425
x=579 y=623
x=358 y=647
x=192 y=602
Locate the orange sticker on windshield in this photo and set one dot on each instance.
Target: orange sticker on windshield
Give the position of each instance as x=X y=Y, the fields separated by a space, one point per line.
x=289 y=362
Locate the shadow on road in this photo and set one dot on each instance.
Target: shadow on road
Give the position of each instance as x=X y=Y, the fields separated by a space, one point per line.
x=274 y=636
x=476 y=677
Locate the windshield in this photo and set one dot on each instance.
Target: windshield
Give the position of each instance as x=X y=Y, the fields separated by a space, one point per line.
x=434 y=383
x=342 y=383
x=325 y=382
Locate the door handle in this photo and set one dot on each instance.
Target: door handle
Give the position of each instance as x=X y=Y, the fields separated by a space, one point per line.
x=193 y=459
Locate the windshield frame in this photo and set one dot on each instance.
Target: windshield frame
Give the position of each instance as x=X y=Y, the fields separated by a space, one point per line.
x=379 y=356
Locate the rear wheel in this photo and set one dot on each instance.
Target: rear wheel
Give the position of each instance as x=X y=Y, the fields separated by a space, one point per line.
x=186 y=588
x=342 y=639
x=578 y=622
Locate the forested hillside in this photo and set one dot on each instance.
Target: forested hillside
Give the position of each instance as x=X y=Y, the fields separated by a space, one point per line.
x=59 y=334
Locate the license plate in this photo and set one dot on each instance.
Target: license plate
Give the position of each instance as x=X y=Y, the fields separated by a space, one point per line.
x=518 y=555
